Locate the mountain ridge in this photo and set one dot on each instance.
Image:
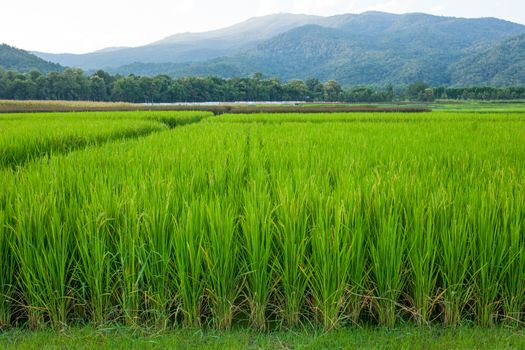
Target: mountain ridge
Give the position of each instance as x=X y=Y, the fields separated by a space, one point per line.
x=369 y=48
x=12 y=58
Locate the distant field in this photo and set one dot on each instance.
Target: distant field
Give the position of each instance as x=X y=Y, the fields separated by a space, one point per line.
x=480 y=106
x=190 y=222
x=394 y=117
x=7 y=106
x=452 y=105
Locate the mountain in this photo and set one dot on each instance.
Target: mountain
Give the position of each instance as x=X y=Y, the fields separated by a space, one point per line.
x=368 y=48
x=15 y=59
x=112 y=49
x=252 y=30
x=501 y=65
x=188 y=47
x=376 y=48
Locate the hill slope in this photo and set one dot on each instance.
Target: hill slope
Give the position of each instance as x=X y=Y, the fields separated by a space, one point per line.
x=188 y=47
x=378 y=48
x=501 y=65
x=369 y=48
x=15 y=59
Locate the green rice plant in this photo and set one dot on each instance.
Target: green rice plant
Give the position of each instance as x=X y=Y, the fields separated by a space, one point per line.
x=93 y=271
x=189 y=261
x=363 y=117
x=292 y=238
x=489 y=253
x=454 y=263
x=23 y=141
x=513 y=284
x=422 y=241
x=387 y=254
x=157 y=252
x=128 y=269
x=26 y=137
x=42 y=250
x=179 y=118
x=329 y=261
x=358 y=264
x=415 y=219
x=7 y=271
x=258 y=230
x=8 y=268
x=221 y=255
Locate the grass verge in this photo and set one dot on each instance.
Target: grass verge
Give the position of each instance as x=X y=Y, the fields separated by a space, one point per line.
x=362 y=338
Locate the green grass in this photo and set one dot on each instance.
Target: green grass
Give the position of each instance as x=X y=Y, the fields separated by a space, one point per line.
x=367 y=338
x=362 y=220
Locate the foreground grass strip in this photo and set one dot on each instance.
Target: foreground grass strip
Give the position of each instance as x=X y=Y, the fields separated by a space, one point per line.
x=402 y=338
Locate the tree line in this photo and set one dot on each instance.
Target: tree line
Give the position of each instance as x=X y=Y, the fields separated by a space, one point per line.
x=75 y=85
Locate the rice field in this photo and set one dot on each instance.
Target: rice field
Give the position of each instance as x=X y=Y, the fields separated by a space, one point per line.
x=265 y=221
x=25 y=137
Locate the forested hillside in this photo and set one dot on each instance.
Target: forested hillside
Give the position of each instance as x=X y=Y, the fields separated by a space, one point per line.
x=23 y=61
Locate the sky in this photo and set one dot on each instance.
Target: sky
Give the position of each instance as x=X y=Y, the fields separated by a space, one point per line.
x=79 y=26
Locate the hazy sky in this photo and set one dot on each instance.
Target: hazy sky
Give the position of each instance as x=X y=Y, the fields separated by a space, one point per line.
x=86 y=25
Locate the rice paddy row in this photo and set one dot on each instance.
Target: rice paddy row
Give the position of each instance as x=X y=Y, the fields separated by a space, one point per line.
x=279 y=118
x=25 y=137
x=273 y=226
